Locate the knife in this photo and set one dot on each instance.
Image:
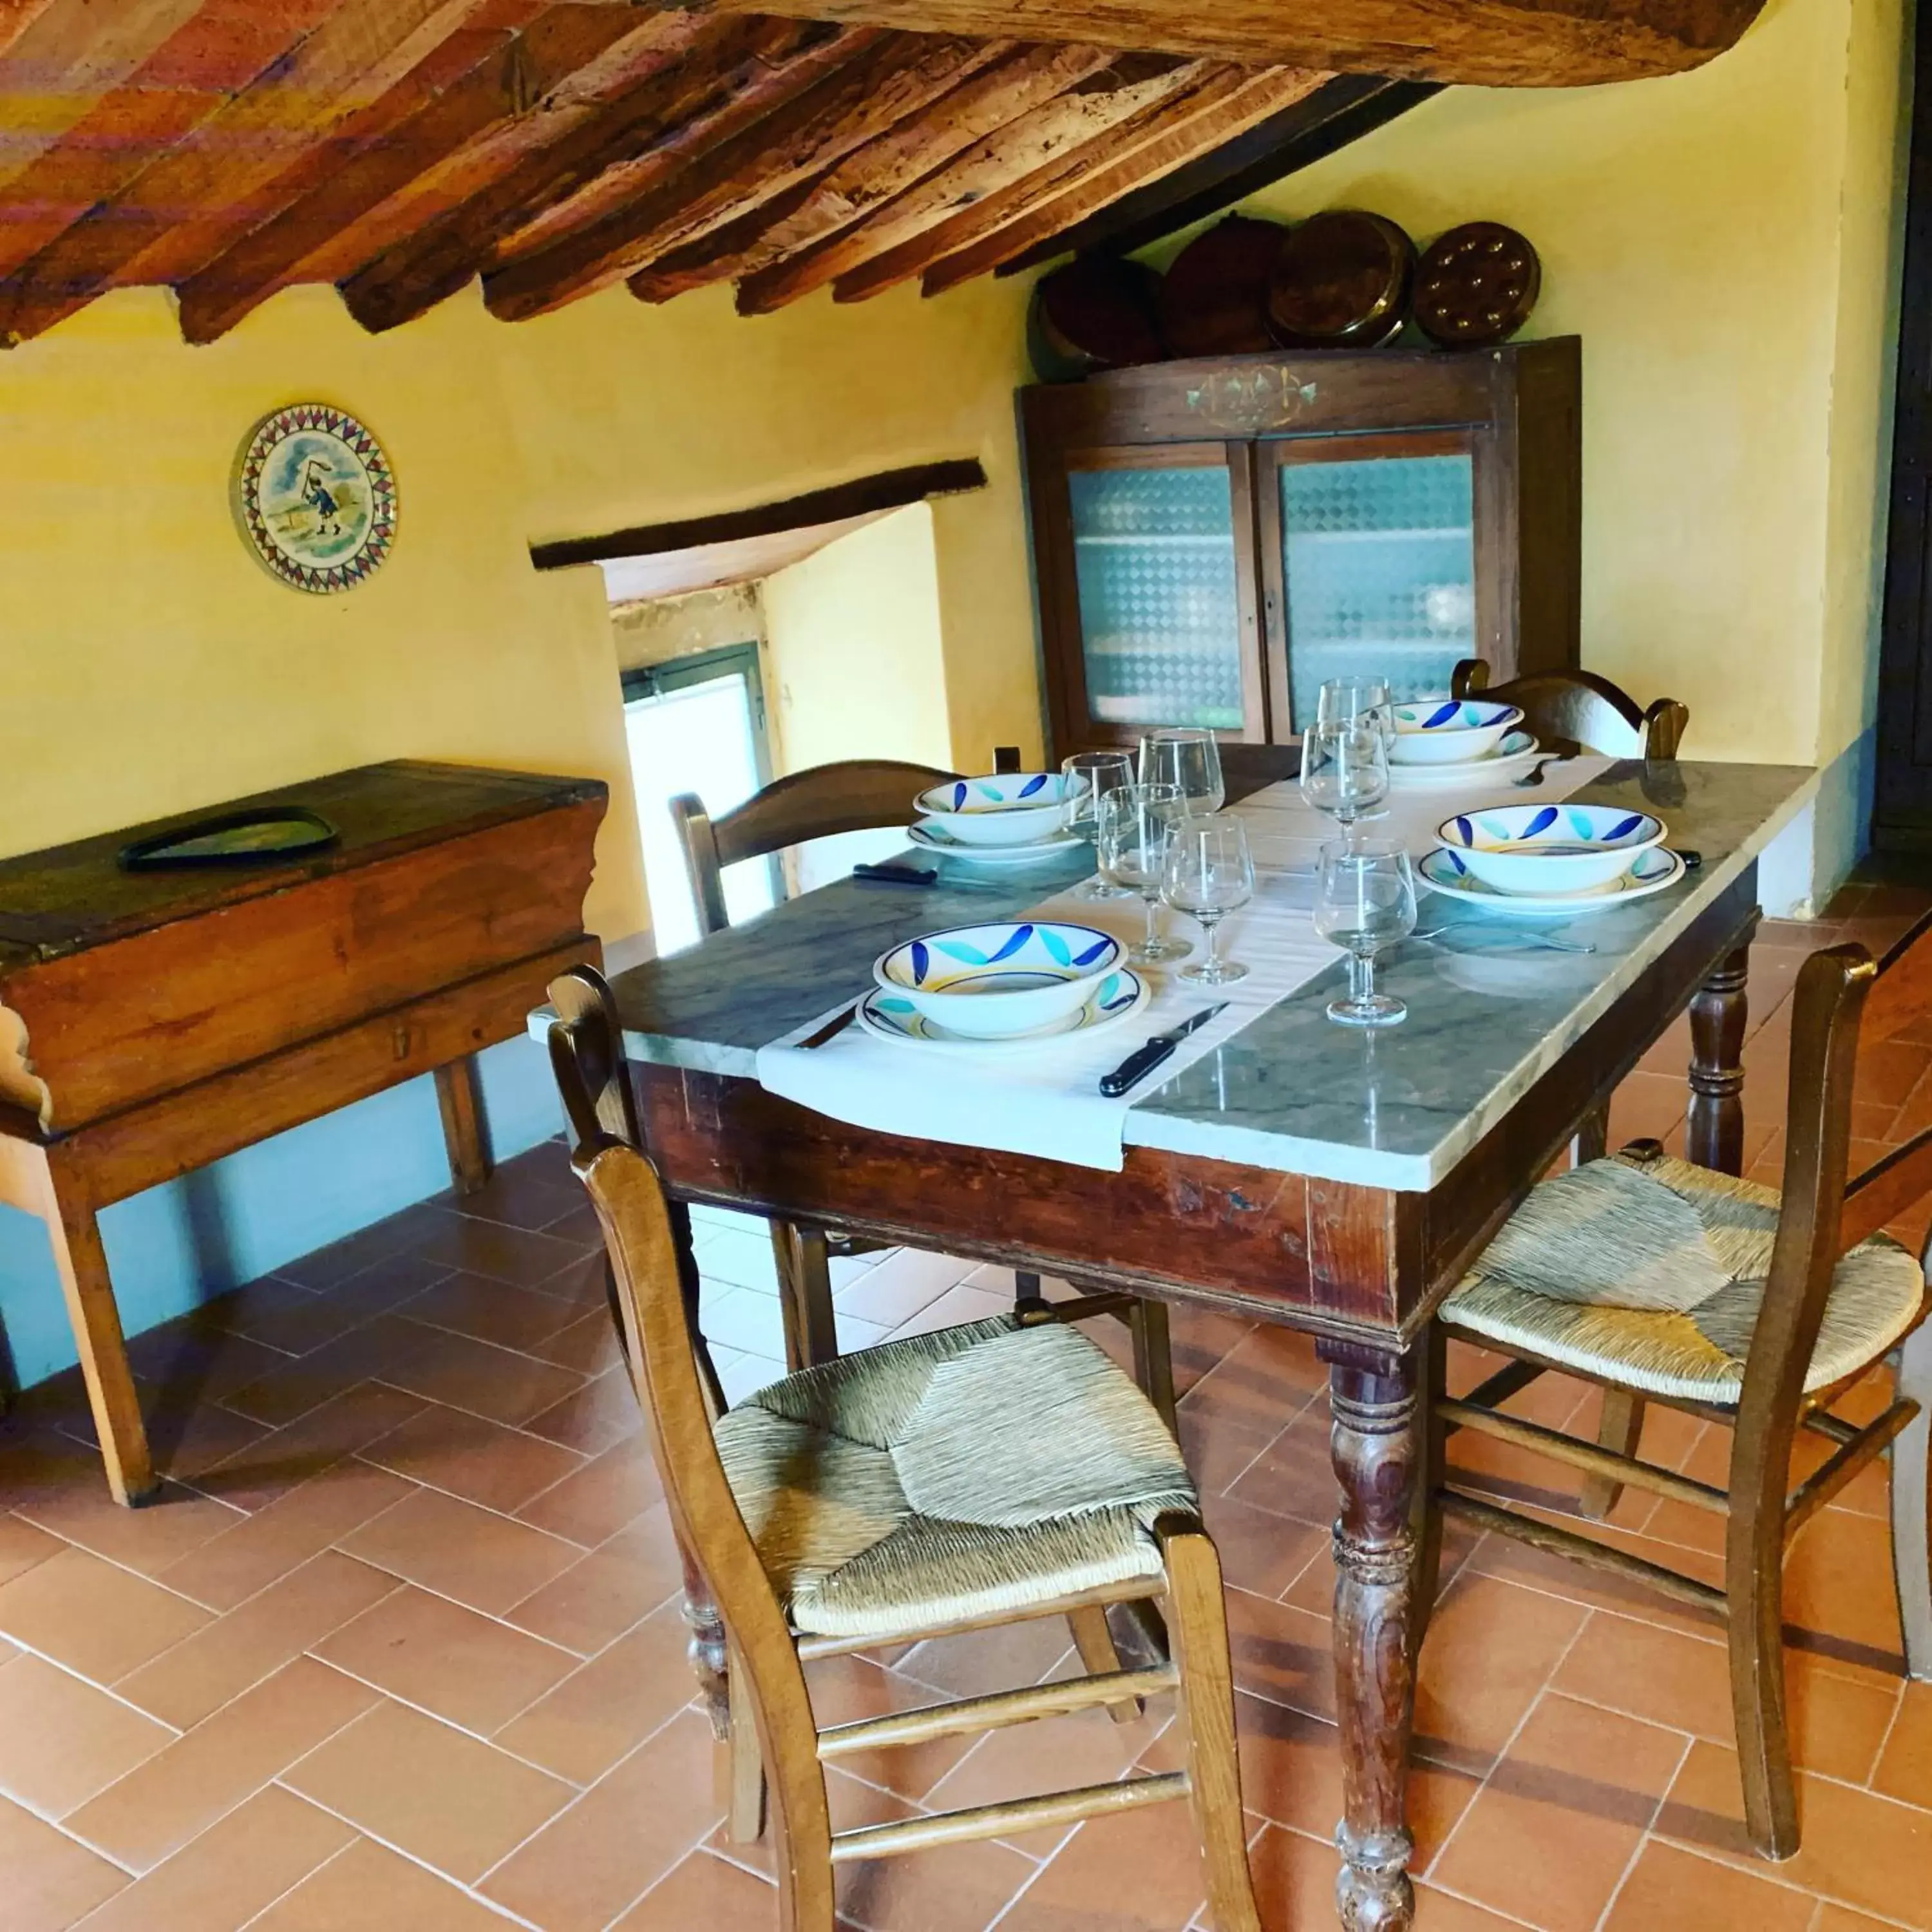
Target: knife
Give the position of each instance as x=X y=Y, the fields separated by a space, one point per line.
x=1143 y=1060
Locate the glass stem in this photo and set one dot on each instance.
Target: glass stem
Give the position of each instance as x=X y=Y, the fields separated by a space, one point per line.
x=1361 y=978
x=1210 y=928
x=1152 y=912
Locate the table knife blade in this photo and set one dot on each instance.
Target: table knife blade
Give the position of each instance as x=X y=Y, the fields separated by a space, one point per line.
x=1145 y=1059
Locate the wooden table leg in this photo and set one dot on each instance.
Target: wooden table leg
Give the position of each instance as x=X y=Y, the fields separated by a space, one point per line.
x=82 y=1263
x=1715 y=1136
x=460 y=1097
x=1372 y=1442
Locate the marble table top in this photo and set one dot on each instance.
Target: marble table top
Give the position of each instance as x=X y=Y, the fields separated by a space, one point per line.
x=1291 y=1091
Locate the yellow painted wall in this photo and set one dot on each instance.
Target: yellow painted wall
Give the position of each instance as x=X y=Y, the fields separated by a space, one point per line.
x=857 y=656
x=1721 y=240
x=150 y=665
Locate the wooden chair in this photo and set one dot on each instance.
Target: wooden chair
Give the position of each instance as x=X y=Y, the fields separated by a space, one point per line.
x=859 y=796
x=845 y=1508
x=1766 y=1348
x=1577 y=707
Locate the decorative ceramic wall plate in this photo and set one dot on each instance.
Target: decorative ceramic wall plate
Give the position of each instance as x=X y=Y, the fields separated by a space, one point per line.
x=315 y=496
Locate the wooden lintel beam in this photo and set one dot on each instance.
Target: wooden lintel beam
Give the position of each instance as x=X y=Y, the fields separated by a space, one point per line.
x=727 y=66
x=1139 y=156
x=1486 y=43
x=865 y=496
x=886 y=79
x=981 y=104
x=1039 y=139
x=1342 y=109
x=512 y=78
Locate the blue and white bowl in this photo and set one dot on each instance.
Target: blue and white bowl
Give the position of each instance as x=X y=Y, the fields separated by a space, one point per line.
x=1546 y=849
x=991 y=982
x=1014 y=808
x=1443 y=730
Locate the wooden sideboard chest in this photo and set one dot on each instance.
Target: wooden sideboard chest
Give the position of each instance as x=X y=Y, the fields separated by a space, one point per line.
x=151 y=1022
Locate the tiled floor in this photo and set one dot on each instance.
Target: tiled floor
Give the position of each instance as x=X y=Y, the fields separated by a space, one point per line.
x=400 y=1645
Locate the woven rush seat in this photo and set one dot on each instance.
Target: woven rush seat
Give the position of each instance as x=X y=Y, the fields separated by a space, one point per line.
x=1651 y=1273
x=950 y=1477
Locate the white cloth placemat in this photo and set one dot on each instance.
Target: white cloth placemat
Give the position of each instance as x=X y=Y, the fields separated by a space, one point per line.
x=1048 y=1103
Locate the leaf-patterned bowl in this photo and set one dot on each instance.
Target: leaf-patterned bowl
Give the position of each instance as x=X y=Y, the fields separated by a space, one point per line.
x=990 y=981
x=1550 y=848
x=1443 y=730
x=1013 y=808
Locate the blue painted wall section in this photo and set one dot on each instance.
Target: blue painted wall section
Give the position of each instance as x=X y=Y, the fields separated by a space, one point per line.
x=178 y=1245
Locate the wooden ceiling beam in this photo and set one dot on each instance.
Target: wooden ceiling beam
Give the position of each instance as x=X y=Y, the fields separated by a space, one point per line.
x=883 y=169
x=1169 y=142
x=1485 y=42
x=361 y=50
x=886 y=80
x=1126 y=85
x=1342 y=109
x=514 y=78
x=731 y=66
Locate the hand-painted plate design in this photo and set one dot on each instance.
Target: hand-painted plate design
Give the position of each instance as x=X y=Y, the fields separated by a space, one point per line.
x=890 y=1016
x=1655 y=870
x=315 y=497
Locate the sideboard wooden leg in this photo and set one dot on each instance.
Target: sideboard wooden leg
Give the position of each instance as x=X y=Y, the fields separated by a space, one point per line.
x=1715 y=1135
x=82 y=1262
x=460 y=1097
x=1373 y=1446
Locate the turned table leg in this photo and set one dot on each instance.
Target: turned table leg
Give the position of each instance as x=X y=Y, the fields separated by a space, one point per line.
x=1715 y=1136
x=1372 y=1442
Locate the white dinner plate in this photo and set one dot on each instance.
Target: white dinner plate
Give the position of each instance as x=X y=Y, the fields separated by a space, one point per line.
x=886 y=1017
x=1511 y=759
x=928 y=838
x=1655 y=870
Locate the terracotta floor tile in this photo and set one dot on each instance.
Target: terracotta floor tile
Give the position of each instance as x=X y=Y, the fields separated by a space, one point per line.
x=596 y=1859
x=620 y=1583
x=486 y=1310
x=93 y=1616
x=844 y=1689
x=468 y=1670
x=596 y=1415
x=181 y=1791
x=1217 y=1454
x=62 y=1741
x=220 y=1880
x=979 y=1662
x=530 y=1189
x=1263 y=1382
x=1905 y=1769
x=330 y=1267
x=608 y=1707
x=478 y=1376
x=1282 y=1653
x=1140 y=1870
x=366 y=1885
x=1510 y=1561
x=482 y=1462
x=1863 y=1850
x=51 y=1882
x=1293 y=1476
x=1548 y=1839
x=266 y=1546
x=704 y=1890
x=187 y=1442
x=431 y=1791
x=490 y=1248
x=613 y=1489
x=286 y=1458
x=952 y=1889
x=1261 y=1552
x=183 y=1685
x=22 y=1546
x=587 y=1343
x=1837 y=1918
x=302 y=1383
x=456 y=1549
x=190 y=1359
x=1671 y=1890
x=1648 y=1104
x=1837 y=1583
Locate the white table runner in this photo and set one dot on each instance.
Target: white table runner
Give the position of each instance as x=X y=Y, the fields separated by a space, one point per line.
x=1047 y=1103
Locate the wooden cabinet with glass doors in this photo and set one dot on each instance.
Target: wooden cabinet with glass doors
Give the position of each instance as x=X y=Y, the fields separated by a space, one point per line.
x=1214 y=539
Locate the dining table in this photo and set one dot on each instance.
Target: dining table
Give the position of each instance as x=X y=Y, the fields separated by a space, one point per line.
x=1328 y=1179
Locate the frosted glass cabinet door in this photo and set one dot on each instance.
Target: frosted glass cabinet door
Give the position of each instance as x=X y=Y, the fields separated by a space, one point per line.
x=1160 y=618
x=1378 y=571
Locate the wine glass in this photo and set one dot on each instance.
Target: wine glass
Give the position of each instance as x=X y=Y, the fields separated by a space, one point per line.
x=1364 y=900
x=1344 y=769
x=1136 y=825
x=1341 y=699
x=1209 y=874
x=1189 y=759
x=1086 y=778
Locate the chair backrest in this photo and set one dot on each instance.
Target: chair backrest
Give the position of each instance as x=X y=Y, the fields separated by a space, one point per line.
x=1580 y=708
x=859 y=795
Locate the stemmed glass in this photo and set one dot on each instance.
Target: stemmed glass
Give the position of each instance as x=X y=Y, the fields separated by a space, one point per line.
x=1187 y=758
x=1209 y=874
x=1087 y=777
x=1344 y=769
x=1136 y=825
x=1342 y=698
x=1364 y=900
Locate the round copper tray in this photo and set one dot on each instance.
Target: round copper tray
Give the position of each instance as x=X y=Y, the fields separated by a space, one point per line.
x=1476 y=286
x=1214 y=300
x=1341 y=281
